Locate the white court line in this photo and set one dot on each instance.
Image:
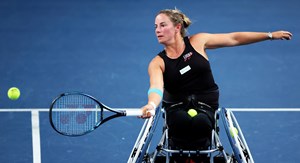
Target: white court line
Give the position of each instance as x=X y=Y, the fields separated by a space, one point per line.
x=23 y=110
x=265 y=109
x=36 y=143
x=47 y=110
x=232 y=109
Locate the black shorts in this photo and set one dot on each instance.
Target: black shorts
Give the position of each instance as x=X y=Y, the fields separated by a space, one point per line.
x=190 y=132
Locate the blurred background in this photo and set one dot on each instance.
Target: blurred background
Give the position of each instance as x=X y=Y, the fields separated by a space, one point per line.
x=103 y=48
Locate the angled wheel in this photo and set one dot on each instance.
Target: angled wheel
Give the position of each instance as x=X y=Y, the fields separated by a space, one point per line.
x=236 y=138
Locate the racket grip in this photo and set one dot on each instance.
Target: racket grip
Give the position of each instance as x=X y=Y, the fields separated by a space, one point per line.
x=137 y=112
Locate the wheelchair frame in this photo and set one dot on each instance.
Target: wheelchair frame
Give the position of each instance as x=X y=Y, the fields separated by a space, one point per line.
x=215 y=149
x=240 y=152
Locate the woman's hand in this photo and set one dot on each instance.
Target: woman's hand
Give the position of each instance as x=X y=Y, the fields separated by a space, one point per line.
x=281 y=35
x=146 y=111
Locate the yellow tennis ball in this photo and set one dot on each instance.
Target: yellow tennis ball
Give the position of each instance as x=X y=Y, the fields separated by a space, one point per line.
x=233 y=131
x=13 y=93
x=192 y=112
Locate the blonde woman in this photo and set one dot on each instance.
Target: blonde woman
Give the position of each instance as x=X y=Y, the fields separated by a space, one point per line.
x=181 y=77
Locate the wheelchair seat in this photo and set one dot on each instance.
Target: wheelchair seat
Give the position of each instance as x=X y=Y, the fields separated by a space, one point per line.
x=202 y=150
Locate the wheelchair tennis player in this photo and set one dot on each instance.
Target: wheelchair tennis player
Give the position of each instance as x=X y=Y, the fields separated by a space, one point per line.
x=181 y=77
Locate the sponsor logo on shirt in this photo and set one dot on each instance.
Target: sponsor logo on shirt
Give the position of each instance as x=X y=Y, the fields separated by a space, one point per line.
x=187 y=56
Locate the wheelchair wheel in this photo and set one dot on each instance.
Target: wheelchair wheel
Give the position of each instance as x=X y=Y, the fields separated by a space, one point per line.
x=236 y=138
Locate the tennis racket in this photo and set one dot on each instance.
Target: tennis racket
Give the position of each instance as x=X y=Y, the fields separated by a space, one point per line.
x=76 y=114
x=237 y=140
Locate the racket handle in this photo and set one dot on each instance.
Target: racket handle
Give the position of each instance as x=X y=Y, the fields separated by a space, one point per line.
x=137 y=112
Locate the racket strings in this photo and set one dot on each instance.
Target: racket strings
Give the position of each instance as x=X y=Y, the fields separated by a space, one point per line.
x=75 y=114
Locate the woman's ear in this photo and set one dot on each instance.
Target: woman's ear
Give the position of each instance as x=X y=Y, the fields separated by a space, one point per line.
x=178 y=27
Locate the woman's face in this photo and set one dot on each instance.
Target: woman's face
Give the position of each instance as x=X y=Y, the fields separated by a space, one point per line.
x=164 y=29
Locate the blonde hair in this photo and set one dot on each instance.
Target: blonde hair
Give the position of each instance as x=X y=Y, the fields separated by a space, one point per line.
x=177 y=17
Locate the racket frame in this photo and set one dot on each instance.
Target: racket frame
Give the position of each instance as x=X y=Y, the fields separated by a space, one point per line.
x=117 y=113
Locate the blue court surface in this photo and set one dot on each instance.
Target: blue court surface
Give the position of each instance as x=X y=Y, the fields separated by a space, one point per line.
x=103 y=48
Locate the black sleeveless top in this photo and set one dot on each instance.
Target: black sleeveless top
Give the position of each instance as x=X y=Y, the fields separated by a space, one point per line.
x=189 y=74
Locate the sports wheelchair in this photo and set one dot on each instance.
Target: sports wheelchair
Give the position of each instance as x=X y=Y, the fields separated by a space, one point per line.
x=215 y=152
